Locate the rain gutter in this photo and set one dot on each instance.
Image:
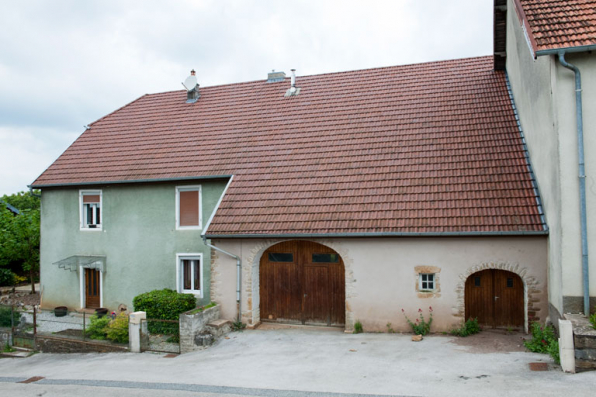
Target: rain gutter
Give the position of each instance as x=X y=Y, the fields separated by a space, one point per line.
x=380 y=234
x=582 y=177
x=238 y=260
x=117 y=182
x=557 y=51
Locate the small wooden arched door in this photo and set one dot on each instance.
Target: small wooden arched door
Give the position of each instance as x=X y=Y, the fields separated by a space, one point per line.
x=302 y=282
x=496 y=298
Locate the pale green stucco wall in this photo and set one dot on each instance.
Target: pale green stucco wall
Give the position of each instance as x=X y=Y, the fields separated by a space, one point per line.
x=138 y=237
x=544 y=93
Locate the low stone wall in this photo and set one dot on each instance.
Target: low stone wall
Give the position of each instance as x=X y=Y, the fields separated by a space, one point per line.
x=192 y=325
x=64 y=344
x=584 y=341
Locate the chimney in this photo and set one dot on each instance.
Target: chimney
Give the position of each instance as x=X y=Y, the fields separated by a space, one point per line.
x=192 y=88
x=293 y=90
x=274 y=77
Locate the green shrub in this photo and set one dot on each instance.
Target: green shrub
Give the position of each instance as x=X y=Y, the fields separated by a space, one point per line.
x=117 y=330
x=238 y=326
x=5 y=313
x=543 y=341
x=593 y=320
x=97 y=328
x=468 y=328
x=165 y=304
x=358 y=327
x=7 y=278
x=420 y=326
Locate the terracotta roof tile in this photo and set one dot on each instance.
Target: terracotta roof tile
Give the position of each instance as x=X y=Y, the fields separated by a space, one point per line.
x=557 y=24
x=410 y=149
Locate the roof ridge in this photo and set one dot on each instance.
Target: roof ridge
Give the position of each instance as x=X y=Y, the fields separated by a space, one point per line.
x=481 y=57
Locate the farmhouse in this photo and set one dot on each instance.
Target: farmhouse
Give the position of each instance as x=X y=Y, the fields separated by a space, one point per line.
x=342 y=197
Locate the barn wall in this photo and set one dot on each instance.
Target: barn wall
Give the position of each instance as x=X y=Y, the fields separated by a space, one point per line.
x=382 y=276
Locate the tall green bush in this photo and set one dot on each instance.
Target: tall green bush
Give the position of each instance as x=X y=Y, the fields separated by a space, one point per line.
x=165 y=304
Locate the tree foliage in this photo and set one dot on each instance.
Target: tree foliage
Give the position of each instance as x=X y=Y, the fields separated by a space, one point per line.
x=19 y=234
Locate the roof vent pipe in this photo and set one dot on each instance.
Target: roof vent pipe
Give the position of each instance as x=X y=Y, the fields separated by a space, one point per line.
x=293 y=90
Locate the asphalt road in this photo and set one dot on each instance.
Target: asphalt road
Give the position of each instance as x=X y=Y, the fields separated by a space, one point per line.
x=298 y=362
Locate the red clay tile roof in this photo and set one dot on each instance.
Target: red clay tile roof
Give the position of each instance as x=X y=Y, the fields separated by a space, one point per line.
x=558 y=24
x=427 y=148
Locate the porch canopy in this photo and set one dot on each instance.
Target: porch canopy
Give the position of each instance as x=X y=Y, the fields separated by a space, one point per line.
x=72 y=263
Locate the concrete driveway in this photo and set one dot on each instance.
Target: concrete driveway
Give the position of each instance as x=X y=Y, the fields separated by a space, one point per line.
x=304 y=361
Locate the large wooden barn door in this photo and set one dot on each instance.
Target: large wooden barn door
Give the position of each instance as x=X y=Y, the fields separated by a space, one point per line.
x=302 y=282
x=496 y=298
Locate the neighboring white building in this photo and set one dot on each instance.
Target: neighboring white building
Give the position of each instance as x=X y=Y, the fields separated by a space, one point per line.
x=545 y=95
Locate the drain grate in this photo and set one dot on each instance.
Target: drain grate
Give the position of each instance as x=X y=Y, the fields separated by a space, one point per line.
x=538 y=366
x=33 y=379
x=171 y=355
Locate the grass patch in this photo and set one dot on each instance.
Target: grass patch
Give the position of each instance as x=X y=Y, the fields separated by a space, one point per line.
x=468 y=328
x=202 y=308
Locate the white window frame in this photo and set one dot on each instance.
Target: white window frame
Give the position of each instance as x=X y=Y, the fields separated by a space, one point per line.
x=188 y=189
x=179 y=274
x=420 y=281
x=82 y=215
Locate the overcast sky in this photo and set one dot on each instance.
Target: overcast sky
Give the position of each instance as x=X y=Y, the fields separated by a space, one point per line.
x=66 y=63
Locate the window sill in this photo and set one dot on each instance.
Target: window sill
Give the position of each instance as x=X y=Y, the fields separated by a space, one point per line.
x=195 y=293
x=91 y=229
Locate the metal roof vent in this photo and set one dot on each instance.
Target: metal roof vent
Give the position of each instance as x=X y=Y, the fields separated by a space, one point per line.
x=293 y=90
x=192 y=88
x=274 y=77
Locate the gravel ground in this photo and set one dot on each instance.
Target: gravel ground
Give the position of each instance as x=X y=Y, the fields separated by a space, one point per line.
x=48 y=323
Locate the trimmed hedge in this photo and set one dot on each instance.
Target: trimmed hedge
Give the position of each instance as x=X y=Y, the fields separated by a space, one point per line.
x=165 y=304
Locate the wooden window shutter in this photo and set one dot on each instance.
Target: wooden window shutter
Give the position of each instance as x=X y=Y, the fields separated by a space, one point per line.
x=91 y=198
x=189 y=208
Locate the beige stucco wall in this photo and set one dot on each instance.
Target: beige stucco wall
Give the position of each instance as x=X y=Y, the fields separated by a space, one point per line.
x=544 y=94
x=381 y=276
x=566 y=114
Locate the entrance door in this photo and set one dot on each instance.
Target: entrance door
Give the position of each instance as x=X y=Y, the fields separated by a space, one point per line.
x=496 y=298
x=92 y=286
x=302 y=282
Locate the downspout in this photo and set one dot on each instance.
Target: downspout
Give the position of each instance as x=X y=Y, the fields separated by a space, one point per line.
x=582 y=178
x=238 y=275
x=33 y=194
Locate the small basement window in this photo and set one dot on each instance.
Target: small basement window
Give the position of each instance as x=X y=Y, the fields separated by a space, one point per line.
x=426 y=282
x=90 y=209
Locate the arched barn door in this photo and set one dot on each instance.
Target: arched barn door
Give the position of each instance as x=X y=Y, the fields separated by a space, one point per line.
x=496 y=298
x=302 y=282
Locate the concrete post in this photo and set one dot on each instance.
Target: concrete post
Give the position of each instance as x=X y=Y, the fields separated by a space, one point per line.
x=134 y=331
x=566 y=346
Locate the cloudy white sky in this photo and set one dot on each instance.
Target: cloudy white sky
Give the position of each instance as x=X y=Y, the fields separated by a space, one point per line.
x=66 y=63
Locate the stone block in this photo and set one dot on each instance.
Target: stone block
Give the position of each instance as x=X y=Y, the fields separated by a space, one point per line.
x=204 y=339
x=586 y=354
x=416 y=338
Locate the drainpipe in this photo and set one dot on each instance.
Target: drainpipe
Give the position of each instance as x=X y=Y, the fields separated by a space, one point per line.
x=33 y=194
x=238 y=275
x=582 y=178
